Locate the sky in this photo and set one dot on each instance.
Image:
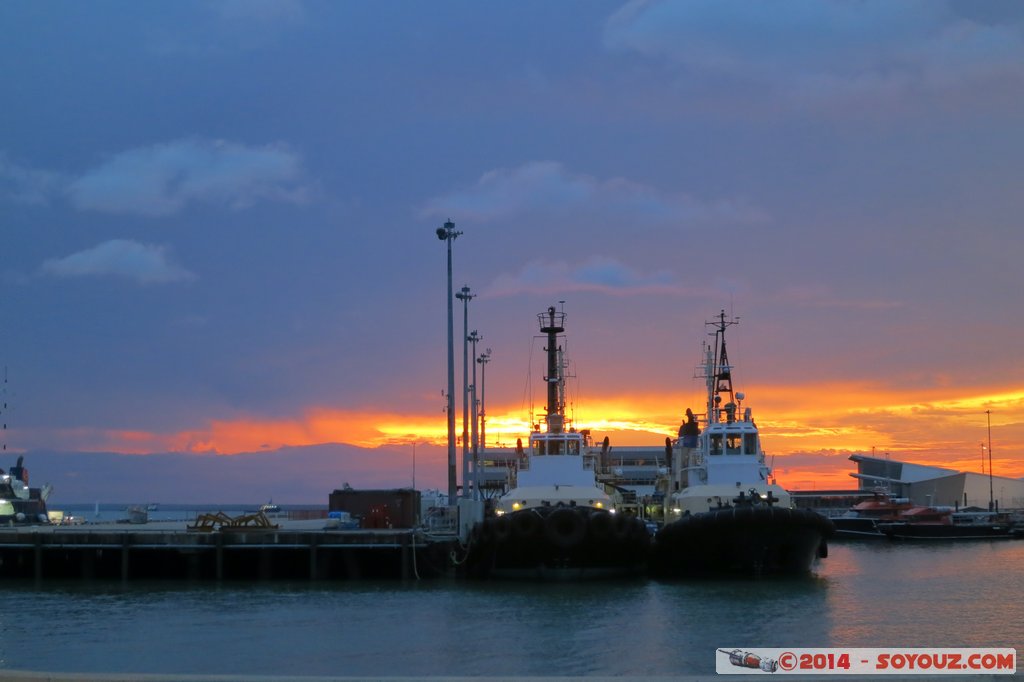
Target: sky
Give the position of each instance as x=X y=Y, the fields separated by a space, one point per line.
x=218 y=224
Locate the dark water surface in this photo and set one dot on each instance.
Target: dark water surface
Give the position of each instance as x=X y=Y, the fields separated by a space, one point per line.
x=863 y=595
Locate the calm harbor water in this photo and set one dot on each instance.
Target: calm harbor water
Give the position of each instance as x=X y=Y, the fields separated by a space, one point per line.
x=863 y=595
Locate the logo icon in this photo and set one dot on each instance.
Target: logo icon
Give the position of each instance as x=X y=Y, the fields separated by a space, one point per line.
x=745 y=659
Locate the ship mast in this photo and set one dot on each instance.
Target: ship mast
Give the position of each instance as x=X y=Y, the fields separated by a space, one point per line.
x=719 y=371
x=552 y=323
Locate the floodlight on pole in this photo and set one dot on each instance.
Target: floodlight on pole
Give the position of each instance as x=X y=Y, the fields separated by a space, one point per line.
x=991 y=492
x=473 y=338
x=484 y=358
x=448 y=234
x=465 y=296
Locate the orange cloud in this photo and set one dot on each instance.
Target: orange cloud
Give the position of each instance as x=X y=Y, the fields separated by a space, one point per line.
x=809 y=432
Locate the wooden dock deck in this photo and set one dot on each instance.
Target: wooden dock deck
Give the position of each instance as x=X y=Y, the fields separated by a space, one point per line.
x=296 y=550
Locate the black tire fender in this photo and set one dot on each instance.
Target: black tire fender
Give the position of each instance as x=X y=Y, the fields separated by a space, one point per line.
x=565 y=528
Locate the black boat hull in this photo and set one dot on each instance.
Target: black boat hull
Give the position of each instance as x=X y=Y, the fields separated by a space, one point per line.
x=947 y=532
x=857 y=529
x=558 y=543
x=741 y=542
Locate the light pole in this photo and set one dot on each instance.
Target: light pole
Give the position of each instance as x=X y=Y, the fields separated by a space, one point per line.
x=449 y=234
x=484 y=358
x=465 y=297
x=991 y=493
x=473 y=338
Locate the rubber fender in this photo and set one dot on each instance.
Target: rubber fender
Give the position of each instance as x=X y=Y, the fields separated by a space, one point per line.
x=565 y=527
x=526 y=524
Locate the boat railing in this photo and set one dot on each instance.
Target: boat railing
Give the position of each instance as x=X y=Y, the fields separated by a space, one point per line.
x=442 y=520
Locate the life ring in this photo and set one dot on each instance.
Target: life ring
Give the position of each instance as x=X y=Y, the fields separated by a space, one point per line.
x=526 y=524
x=565 y=528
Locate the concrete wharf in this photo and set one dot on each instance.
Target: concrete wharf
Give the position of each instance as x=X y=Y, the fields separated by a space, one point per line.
x=295 y=550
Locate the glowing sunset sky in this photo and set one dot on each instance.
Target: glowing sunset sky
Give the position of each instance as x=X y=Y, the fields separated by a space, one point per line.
x=219 y=221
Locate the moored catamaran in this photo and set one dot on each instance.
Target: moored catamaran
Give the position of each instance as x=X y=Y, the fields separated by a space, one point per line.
x=558 y=521
x=724 y=514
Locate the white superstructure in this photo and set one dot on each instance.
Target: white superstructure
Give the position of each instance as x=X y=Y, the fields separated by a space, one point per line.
x=725 y=463
x=557 y=469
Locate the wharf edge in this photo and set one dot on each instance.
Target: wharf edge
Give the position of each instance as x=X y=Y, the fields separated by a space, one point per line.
x=170 y=551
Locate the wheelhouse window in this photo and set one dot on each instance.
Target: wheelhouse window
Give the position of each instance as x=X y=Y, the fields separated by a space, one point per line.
x=733 y=443
x=750 y=443
x=715 y=444
x=556 y=446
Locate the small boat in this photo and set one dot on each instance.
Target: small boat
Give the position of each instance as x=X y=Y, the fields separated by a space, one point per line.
x=138 y=514
x=724 y=515
x=558 y=522
x=861 y=521
x=943 y=523
x=20 y=504
x=270 y=509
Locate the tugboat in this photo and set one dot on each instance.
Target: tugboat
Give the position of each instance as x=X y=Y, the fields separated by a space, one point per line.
x=20 y=504
x=724 y=514
x=557 y=522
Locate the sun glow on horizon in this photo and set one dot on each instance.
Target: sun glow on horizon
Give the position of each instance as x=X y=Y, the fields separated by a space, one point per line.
x=808 y=434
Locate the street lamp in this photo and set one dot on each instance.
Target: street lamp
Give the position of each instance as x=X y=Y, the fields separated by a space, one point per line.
x=484 y=358
x=414 y=465
x=991 y=492
x=473 y=338
x=465 y=297
x=448 y=233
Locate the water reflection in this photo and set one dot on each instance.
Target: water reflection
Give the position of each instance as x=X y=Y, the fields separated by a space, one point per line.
x=927 y=595
x=867 y=595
